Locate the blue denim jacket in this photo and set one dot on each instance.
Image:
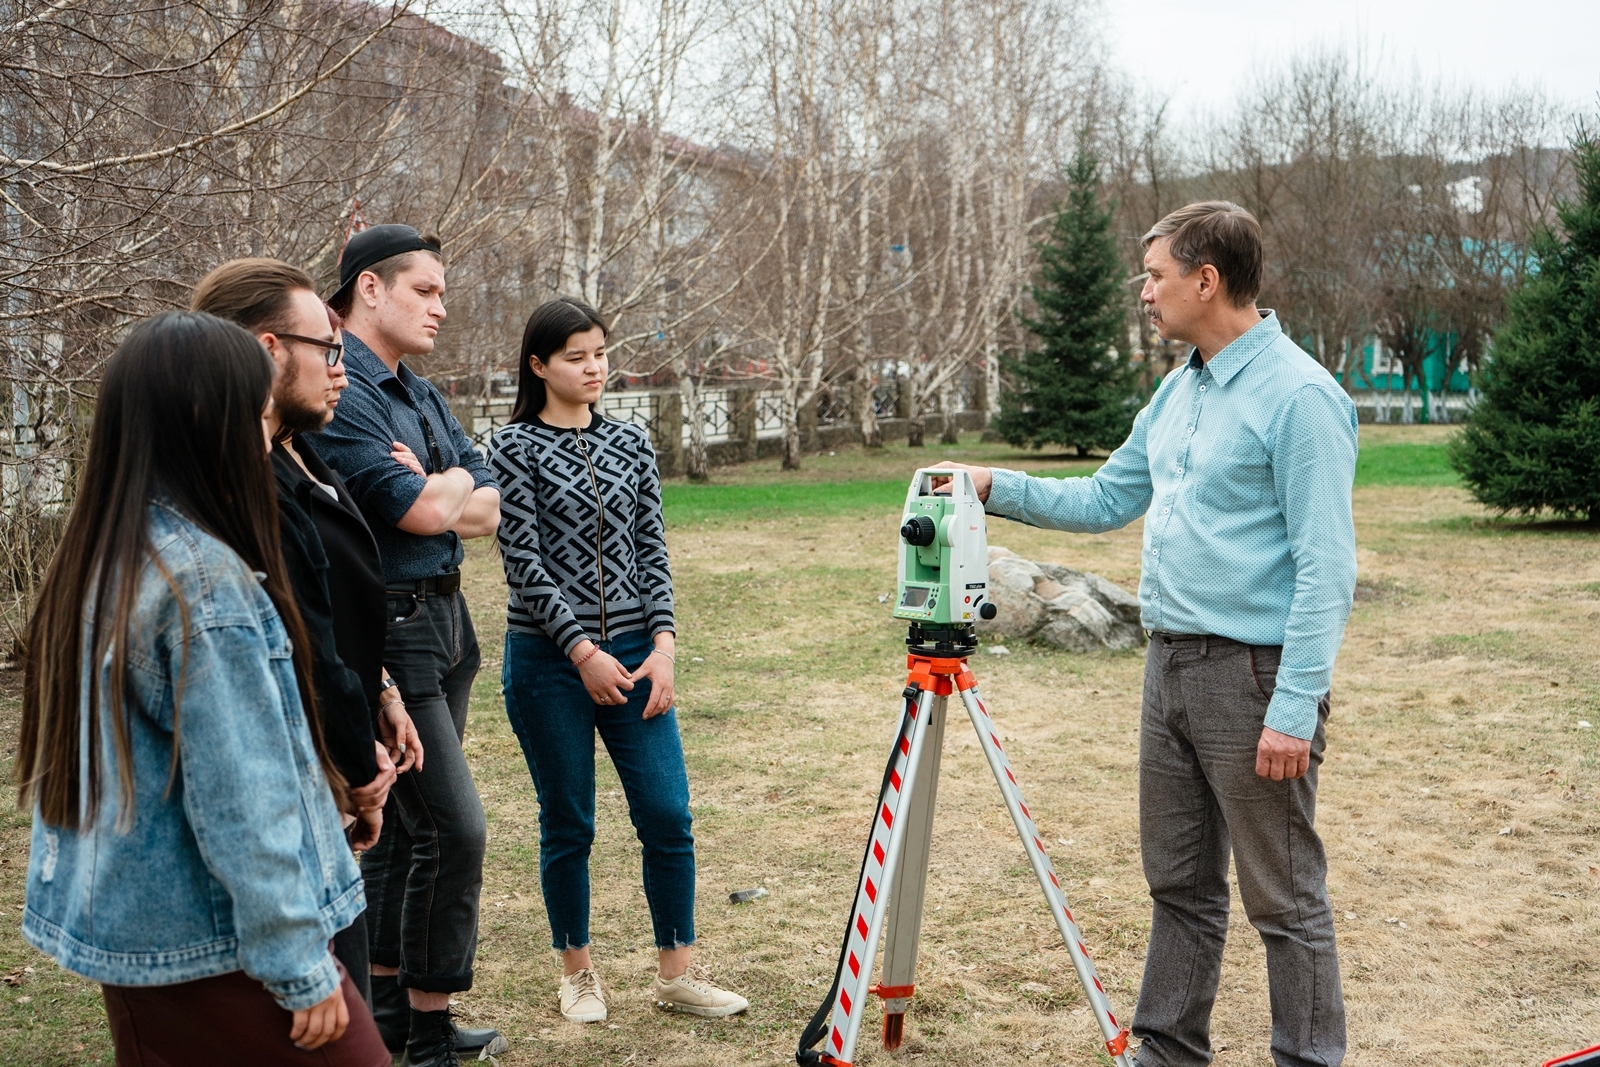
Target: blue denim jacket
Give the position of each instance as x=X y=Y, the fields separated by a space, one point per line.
x=243 y=864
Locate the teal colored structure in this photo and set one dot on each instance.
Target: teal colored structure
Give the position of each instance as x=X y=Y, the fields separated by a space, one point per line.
x=1441 y=376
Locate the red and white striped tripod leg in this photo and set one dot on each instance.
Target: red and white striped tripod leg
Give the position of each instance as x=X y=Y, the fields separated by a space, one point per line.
x=1116 y=1036
x=902 y=926
x=877 y=883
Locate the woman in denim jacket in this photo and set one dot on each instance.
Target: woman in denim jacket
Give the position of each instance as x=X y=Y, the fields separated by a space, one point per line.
x=187 y=847
x=589 y=647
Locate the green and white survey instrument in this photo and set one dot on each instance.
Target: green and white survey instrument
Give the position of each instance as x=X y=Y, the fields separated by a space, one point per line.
x=944 y=552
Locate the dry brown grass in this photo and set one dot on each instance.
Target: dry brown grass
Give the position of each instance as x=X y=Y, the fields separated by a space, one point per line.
x=1468 y=665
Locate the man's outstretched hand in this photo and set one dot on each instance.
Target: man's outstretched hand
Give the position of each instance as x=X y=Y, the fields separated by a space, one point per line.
x=1279 y=756
x=982 y=478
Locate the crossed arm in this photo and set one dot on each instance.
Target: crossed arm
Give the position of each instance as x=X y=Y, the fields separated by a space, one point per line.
x=449 y=502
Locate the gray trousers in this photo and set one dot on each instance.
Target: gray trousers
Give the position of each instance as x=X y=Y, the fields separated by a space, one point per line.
x=1205 y=700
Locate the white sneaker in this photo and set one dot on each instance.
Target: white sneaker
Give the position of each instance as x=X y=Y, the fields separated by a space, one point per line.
x=581 y=998
x=697 y=996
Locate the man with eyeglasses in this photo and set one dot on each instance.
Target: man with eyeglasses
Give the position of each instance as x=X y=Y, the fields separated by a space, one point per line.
x=423 y=488
x=329 y=553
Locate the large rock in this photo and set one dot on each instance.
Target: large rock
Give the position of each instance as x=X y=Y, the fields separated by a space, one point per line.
x=1058 y=606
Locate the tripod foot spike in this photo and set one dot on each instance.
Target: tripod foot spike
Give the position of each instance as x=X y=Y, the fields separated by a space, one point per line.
x=894 y=1028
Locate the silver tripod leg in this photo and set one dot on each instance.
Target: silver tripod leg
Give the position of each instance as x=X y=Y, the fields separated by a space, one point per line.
x=1116 y=1037
x=904 y=923
x=877 y=883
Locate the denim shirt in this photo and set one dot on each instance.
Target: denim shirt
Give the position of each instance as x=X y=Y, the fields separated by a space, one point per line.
x=378 y=409
x=242 y=864
x=1242 y=467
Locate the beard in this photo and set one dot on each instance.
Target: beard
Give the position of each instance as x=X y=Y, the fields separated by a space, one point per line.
x=294 y=414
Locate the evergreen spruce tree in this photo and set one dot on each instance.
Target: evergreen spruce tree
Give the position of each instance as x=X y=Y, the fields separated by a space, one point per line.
x=1077 y=389
x=1533 y=441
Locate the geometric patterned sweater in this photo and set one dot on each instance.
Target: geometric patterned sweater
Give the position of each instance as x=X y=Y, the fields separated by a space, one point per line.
x=581 y=535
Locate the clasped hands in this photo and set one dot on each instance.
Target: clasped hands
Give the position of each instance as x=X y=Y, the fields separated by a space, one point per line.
x=399 y=749
x=607 y=680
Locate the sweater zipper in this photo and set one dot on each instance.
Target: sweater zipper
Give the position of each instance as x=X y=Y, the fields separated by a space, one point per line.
x=600 y=528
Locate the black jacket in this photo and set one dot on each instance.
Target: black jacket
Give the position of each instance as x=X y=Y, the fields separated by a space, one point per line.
x=332 y=563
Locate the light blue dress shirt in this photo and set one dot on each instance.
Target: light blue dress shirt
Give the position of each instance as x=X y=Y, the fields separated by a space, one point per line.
x=1243 y=468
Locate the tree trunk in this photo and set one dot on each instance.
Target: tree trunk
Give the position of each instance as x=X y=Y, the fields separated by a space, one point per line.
x=947 y=433
x=867 y=408
x=791 y=425
x=913 y=399
x=695 y=464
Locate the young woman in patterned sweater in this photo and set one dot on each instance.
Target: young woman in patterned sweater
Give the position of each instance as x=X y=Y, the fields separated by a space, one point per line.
x=589 y=646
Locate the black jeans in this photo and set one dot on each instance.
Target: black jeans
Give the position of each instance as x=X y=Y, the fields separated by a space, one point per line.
x=1200 y=799
x=424 y=875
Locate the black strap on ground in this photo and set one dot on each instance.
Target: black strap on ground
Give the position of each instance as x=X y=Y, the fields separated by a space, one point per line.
x=806 y=1054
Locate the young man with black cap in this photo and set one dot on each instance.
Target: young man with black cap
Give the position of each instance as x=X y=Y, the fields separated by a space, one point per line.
x=424 y=876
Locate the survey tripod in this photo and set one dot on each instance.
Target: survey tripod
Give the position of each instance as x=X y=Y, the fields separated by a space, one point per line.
x=894 y=871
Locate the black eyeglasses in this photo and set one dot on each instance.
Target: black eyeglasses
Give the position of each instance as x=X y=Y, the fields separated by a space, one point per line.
x=333 y=349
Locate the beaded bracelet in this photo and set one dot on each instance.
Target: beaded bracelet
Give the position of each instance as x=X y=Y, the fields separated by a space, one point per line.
x=587 y=656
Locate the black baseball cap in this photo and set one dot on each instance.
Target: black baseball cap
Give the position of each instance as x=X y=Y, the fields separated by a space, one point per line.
x=375 y=244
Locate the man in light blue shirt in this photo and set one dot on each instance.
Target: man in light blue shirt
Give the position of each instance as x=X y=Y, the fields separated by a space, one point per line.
x=1242 y=466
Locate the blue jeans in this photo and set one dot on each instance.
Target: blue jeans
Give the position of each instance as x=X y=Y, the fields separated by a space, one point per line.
x=555 y=722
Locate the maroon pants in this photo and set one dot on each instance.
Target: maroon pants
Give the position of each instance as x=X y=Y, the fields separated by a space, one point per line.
x=228 y=1019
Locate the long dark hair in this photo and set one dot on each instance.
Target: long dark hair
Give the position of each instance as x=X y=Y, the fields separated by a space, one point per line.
x=178 y=418
x=546 y=334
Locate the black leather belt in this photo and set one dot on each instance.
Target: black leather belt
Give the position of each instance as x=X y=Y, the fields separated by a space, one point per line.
x=438 y=585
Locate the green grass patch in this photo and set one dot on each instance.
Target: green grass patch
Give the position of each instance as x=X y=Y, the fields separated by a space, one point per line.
x=1404 y=464
x=684 y=503
x=764 y=496
x=1540 y=525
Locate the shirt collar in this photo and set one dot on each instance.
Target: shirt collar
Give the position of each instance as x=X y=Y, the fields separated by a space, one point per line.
x=367 y=361
x=1241 y=350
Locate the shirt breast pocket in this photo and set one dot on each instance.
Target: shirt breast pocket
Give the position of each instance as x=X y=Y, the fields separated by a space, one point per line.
x=1239 y=475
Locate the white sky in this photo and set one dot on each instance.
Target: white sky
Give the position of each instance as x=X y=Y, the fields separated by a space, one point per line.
x=1195 y=50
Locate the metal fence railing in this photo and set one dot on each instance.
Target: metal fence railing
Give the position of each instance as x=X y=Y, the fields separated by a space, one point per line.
x=716 y=411
x=769 y=414
x=641 y=408
x=726 y=413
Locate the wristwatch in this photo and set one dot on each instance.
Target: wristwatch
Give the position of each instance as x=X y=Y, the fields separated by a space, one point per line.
x=383 y=687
